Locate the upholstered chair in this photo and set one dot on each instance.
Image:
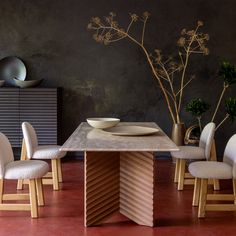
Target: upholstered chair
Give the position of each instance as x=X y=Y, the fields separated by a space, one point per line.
x=32 y=170
x=31 y=150
x=204 y=170
x=201 y=152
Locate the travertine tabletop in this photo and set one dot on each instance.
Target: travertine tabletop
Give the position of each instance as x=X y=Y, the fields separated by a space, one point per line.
x=86 y=138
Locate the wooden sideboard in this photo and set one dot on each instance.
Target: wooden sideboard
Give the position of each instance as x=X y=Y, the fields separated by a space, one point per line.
x=39 y=106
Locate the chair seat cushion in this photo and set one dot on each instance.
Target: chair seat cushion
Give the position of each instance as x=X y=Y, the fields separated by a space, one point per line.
x=210 y=170
x=189 y=152
x=48 y=152
x=30 y=169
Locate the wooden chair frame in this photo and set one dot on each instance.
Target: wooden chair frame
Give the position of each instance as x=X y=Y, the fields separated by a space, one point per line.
x=201 y=198
x=185 y=178
x=35 y=196
x=51 y=178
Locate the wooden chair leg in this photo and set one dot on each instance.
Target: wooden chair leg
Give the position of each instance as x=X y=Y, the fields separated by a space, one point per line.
x=216 y=184
x=234 y=189
x=23 y=156
x=176 y=170
x=1 y=190
x=33 y=198
x=203 y=198
x=182 y=164
x=20 y=184
x=213 y=157
x=59 y=170
x=55 y=174
x=39 y=189
x=196 y=192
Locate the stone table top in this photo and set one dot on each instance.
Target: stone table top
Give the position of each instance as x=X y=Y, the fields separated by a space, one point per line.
x=87 y=138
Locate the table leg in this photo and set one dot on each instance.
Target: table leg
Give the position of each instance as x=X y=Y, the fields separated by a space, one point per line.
x=101 y=186
x=137 y=187
x=122 y=182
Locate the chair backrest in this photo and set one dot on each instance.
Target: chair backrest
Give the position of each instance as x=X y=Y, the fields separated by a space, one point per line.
x=230 y=154
x=206 y=138
x=6 y=153
x=30 y=137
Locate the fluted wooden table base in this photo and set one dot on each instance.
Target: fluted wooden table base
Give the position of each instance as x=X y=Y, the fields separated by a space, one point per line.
x=119 y=181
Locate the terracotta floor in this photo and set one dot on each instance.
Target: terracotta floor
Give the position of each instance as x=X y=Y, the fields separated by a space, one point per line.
x=63 y=213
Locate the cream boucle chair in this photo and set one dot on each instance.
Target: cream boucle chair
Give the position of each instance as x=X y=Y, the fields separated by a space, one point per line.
x=31 y=170
x=31 y=150
x=204 y=170
x=202 y=152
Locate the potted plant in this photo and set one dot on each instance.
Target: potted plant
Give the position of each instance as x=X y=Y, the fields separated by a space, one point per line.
x=230 y=108
x=197 y=107
x=227 y=73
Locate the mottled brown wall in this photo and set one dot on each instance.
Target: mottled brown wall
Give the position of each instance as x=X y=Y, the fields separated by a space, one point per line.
x=51 y=37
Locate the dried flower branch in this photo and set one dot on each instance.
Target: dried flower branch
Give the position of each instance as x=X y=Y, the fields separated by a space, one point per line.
x=164 y=69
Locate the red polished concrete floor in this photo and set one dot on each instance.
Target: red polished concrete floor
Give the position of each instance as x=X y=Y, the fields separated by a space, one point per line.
x=63 y=213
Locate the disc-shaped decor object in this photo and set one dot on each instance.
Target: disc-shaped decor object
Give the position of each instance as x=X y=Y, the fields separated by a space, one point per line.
x=12 y=67
x=131 y=130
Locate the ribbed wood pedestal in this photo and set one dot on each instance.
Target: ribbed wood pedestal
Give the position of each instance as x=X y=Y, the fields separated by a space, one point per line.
x=119 y=181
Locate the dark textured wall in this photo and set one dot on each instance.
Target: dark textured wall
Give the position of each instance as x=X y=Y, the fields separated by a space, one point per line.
x=51 y=37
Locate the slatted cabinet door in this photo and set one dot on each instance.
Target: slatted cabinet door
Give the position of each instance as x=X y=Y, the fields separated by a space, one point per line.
x=39 y=106
x=9 y=114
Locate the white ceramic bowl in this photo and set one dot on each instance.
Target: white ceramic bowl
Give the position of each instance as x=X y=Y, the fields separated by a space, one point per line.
x=103 y=123
x=26 y=83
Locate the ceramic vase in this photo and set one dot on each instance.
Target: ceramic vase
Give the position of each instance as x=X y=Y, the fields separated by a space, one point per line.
x=178 y=133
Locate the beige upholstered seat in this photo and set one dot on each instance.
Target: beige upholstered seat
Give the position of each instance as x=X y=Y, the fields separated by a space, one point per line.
x=30 y=170
x=48 y=152
x=220 y=170
x=43 y=152
x=202 y=152
x=185 y=152
x=210 y=170
x=26 y=169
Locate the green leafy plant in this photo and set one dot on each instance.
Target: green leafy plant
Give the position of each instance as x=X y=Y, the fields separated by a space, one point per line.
x=227 y=72
x=197 y=107
x=230 y=108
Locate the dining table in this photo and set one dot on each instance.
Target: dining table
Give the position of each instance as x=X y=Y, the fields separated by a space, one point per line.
x=120 y=172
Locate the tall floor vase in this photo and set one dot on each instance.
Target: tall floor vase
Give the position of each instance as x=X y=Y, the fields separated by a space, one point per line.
x=178 y=133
